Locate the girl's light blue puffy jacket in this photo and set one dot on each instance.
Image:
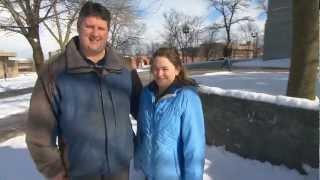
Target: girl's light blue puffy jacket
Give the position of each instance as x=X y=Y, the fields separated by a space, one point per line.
x=170 y=140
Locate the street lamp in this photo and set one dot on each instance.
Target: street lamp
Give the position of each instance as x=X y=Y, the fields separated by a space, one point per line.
x=185 y=30
x=254 y=35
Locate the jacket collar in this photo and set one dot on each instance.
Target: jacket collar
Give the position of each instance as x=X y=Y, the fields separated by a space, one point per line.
x=171 y=91
x=76 y=62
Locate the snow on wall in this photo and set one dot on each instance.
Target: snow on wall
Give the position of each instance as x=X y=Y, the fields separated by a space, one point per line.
x=279 y=99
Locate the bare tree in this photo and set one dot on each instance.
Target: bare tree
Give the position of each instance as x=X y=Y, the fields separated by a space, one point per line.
x=126 y=29
x=251 y=34
x=305 y=50
x=230 y=9
x=173 y=29
x=152 y=47
x=209 y=46
x=175 y=34
x=195 y=25
x=62 y=23
x=248 y=29
x=24 y=17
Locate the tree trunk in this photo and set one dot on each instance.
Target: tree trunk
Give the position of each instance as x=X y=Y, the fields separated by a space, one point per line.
x=305 y=49
x=38 y=57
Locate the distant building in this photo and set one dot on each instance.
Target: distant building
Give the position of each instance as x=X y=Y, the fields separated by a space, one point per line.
x=54 y=53
x=24 y=64
x=214 y=51
x=138 y=61
x=211 y=50
x=8 y=68
x=245 y=51
x=278 y=30
x=11 y=66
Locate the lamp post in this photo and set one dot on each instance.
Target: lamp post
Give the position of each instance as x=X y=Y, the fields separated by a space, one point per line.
x=254 y=35
x=185 y=31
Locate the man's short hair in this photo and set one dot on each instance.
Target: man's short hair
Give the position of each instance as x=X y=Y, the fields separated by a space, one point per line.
x=94 y=9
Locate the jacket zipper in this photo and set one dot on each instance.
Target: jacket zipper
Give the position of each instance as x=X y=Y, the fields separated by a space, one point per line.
x=154 y=106
x=113 y=108
x=104 y=121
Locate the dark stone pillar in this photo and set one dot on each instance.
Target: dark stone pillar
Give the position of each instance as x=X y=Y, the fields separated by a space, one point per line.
x=278 y=30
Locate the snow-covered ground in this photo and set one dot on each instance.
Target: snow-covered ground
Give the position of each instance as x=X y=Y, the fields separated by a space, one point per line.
x=16 y=164
x=278 y=63
x=22 y=81
x=258 y=86
x=274 y=83
x=14 y=105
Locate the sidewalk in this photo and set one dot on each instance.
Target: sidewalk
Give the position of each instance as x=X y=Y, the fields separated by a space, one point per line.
x=16 y=92
x=12 y=126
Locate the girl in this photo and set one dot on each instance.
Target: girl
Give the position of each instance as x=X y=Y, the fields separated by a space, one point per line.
x=170 y=140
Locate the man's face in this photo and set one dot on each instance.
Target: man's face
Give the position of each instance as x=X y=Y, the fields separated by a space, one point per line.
x=93 y=34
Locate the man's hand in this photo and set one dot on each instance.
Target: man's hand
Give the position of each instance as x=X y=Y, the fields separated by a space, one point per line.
x=60 y=176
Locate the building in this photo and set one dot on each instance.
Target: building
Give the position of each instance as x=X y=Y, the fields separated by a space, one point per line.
x=138 y=61
x=8 y=68
x=11 y=66
x=214 y=51
x=245 y=51
x=24 y=64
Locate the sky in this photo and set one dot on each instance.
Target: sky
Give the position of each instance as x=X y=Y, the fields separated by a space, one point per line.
x=151 y=16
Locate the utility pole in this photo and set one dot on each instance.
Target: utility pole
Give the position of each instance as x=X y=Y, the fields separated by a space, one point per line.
x=185 y=31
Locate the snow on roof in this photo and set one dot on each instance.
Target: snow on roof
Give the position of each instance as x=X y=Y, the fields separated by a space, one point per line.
x=19 y=59
x=7 y=53
x=279 y=99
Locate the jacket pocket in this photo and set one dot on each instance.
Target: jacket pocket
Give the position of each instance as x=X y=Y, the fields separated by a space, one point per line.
x=84 y=158
x=142 y=154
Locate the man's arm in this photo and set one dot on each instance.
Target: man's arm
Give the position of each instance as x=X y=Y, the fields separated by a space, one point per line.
x=41 y=133
x=135 y=94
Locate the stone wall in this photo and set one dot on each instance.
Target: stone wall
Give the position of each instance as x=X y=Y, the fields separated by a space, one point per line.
x=263 y=131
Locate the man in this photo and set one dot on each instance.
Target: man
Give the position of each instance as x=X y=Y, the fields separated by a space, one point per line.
x=227 y=52
x=83 y=98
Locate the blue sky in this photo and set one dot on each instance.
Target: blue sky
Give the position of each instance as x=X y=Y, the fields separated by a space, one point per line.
x=152 y=16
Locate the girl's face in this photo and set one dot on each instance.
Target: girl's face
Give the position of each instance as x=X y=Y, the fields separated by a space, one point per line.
x=164 y=72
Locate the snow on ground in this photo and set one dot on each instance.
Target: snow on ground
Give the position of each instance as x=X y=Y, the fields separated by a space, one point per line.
x=259 y=86
x=275 y=63
x=144 y=68
x=14 y=105
x=223 y=165
x=219 y=165
x=22 y=81
x=274 y=83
